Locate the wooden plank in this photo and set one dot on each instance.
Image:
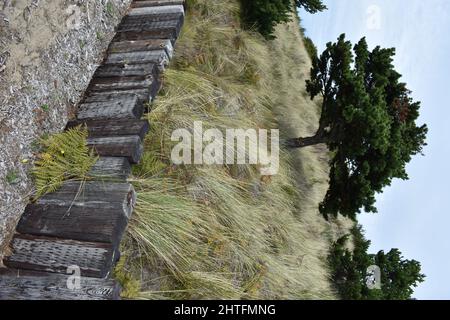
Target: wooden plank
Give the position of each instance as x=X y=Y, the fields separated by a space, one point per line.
x=128 y=146
x=111 y=169
x=148 y=3
x=120 y=83
x=126 y=107
x=111 y=128
x=156 y=10
x=143 y=70
x=56 y=255
x=154 y=17
x=158 y=57
x=147 y=35
x=90 y=194
x=145 y=95
x=30 y=285
x=142 y=45
x=95 y=211
x=148 y=25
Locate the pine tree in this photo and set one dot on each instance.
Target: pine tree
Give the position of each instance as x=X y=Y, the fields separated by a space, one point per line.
x=368 y=122
x=265 y=15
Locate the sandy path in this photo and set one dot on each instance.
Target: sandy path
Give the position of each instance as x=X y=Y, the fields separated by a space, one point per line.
x=49 y=50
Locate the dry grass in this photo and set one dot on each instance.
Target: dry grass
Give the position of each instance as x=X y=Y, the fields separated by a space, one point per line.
x=226 y=232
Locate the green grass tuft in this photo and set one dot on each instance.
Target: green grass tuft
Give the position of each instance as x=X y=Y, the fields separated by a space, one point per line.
x=65 y=156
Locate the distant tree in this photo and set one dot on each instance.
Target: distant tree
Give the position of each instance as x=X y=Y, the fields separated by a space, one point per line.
x=349 y=271
x=311 y=6
x=311 y=48
x=368 y=122
x=398 y=276
x=265 y=15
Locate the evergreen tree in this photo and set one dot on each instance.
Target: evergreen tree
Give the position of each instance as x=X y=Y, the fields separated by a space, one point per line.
x=264 y=15
x=349 y=270
x=311 y=6
x=368 y=121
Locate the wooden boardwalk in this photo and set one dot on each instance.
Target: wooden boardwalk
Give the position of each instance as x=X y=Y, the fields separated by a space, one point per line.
x=69 y=228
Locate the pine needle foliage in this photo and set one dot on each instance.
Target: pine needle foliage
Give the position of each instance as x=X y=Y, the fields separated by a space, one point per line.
x=65 y=156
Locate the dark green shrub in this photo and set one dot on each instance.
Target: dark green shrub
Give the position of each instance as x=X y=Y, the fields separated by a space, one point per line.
x=349 y=270
x=311 y=6
x=264 y=15
x=310 y=48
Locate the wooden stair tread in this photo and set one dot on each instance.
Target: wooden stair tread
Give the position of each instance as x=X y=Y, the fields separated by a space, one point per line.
x=121 y=146
x=169 y=34
x=142 y=45
x=143 y=70
x=125 y=107
x=124 y=84
x=31 y=285
x=159 y=57
x=148 y=25
x=111 y=128
x=57 y=255
x=111 y=169
x=144 y=95
x=154 y=3
x=93 y=211
x=154 y=10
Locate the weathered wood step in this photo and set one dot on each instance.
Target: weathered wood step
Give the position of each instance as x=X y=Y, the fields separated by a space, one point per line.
x=95 y=211
x=145 y=95
x=111 y=128
x=143 y=70
x=142 y=45
x=125 y=107
x=159 y=57
x=31 y=285
x=154 y=3
x=141 y=11
x=87 y=194
x=111 y=169
x=122 y=146
x=122 y=84
x=57 y=255
x=148 y=25
x=147 y=35
x=154 y=17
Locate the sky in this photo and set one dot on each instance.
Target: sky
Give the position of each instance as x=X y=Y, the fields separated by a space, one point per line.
x=413 y=215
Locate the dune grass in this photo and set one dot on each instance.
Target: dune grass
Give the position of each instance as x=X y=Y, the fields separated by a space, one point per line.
x=226 y=232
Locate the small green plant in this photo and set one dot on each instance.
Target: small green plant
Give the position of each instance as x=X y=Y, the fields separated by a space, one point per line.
x=12 y=177
x=45 y=107
x=99 y=35
x=65 y=156
x=110 y=8
x=130 y=286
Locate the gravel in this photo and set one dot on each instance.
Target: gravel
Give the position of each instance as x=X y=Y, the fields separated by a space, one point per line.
x=48 y=53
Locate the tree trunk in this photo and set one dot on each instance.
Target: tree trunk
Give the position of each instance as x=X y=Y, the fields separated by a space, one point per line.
x=306 y=142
